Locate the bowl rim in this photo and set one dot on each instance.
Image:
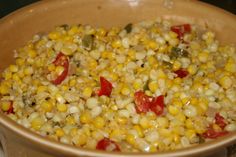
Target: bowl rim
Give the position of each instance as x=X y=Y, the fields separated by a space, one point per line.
x=52 y=145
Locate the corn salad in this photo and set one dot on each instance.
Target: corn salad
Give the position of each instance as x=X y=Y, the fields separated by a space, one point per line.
x=147 y=87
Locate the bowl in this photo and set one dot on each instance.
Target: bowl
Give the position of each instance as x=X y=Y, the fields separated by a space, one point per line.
x=17 y=28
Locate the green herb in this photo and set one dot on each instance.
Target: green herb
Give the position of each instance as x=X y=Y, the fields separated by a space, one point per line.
x=128 y=27
x=177 y=52
x=87 y=41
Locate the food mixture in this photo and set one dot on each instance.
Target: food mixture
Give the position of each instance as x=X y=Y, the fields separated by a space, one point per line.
x=146 y=87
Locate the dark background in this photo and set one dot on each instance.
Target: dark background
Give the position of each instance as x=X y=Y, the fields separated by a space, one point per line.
x=7 y=6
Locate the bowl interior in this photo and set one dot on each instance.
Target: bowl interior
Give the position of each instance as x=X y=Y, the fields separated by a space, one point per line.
x=19 y=27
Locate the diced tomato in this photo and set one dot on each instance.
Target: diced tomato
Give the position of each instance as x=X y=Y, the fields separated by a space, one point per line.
x=211 y=133
x=142 y=102
x=180 y=30
x=157 y=105
x=61 y=60
x=181 y=73
x=106 y=87
x=11 y=109
x=107 y=145
x=219 y=120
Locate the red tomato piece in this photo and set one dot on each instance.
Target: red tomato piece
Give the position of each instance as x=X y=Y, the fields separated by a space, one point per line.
x=181 y=73
x=157 y=105
x=211 y=133
x=107 y=145
x=142 y=102
x=219 y=120
x=180 y=30
x=106 y=87
x=11 y=109
x=61 y=60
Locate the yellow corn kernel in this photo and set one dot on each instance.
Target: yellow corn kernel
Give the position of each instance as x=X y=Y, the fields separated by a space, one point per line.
x=152 y=60
x=54 y=35
x=192 y=69
x=32 y=53
x=16 y=78
x=153 y=86
x=62 y=107
x=114 y=76
x=13 y=68
x=4 y=89
x=139 y=130
x=51 y=67
x=121 y=120
x=87 y=92
x=85 y=117
x=190 y=133
x=99 y=122
x=176 y=138
x=194 y=101
x=189 y=124
x=82 y=140
x=203 y=56
x=173 y=110
x=226 y=82
x=152 y=45
x=20 y=61
x=47 y=106
x=5 y=105
x=59 y=69
x=70 y=120
x=73 y=30
x=177 y=103
x=125 y=90
x=176 y=65
x=181 y=117
x=72 y=82
x=130 y=139
x=7 y=75
x=163 y=49
x=144 y=123
x=101 y=32
x=165 y=132
x=116 y=44
x=216 y=127
x=132 y=54
x=185 y=100
x=28 y=71
x=137 y=84
x=59 y=132
x=148 y=93
x=162 y=122
x=116 y=132
x=41 y=89
x=73 y=132
x=161 y=74
x=93 y=64
x=67 y=51
x=36 y=123
x=230 y=66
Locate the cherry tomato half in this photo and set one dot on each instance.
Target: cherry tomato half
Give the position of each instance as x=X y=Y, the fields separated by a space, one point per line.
x=106 y=87
x=107 y=145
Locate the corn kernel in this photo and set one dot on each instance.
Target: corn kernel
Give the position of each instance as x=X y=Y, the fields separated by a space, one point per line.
x=20 y=61
x=122 y=120
x=137 y=84
x=116 y=44
x=82 y=140
x=5 y=105
x=36 y=123
x=54 y=35
x=162 y=122
x=125 y=90
x=47 y=106
x=73 y=30
x=87 y=92
x=59 y=132
x=153 y=86
x=32 y=53
x=226 y=82
x=176 y=65
x=230 y=66
x=190 y=133
x=13 y=68
x=192 y=69
x=130 y=139
x=139 y=130
x=99 y=122
x=62 y=107
x=152 y=45
x=144 y=122
x=203 y=56
x=59 y=69
x=173 y=110
x=73 y=132
x=70 y=120
x=85 y=117
x=4 y=89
